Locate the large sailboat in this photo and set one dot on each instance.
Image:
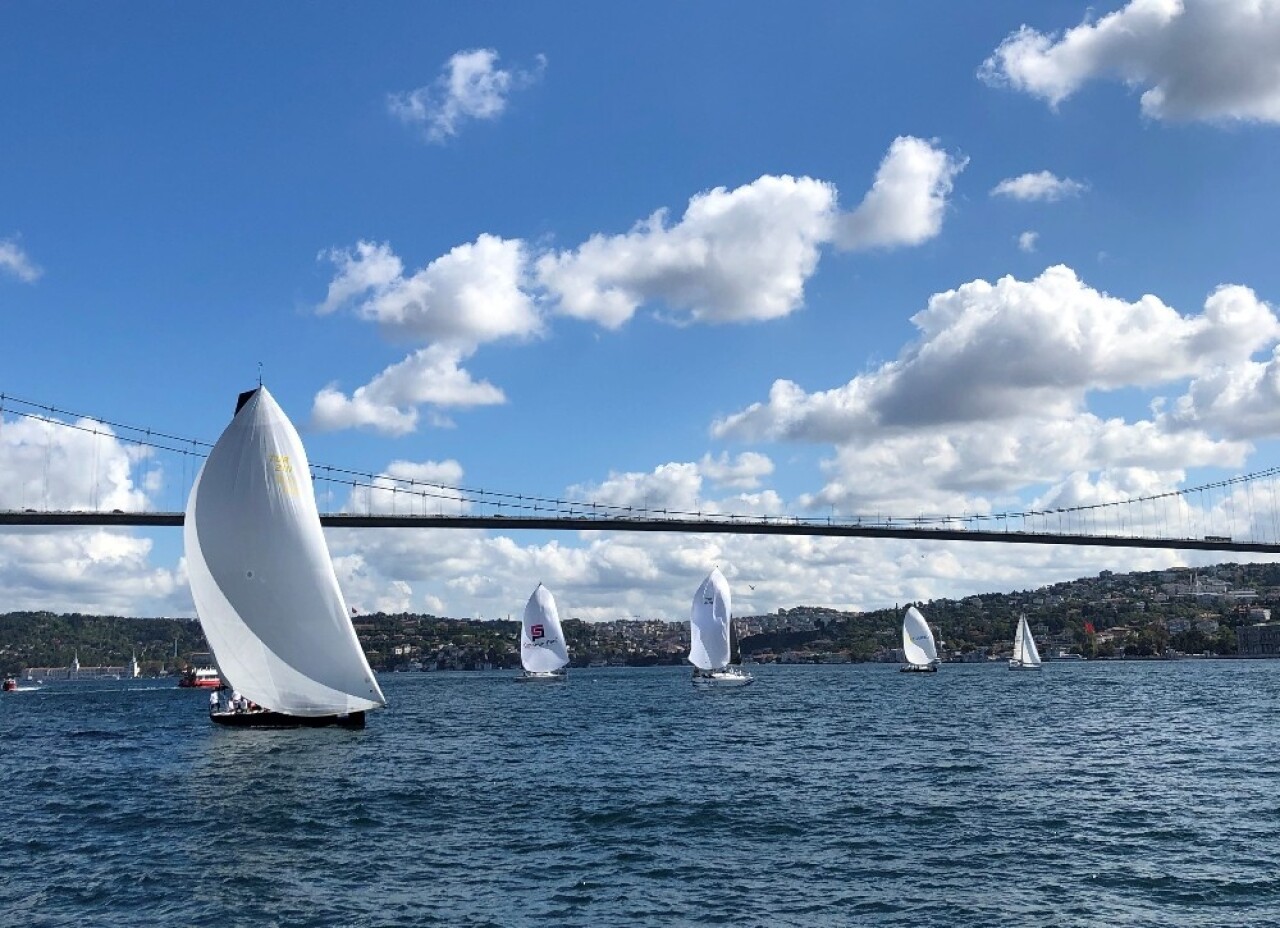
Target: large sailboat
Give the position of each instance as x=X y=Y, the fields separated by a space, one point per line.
x=263 y=583
x=709 y=644
x=1025 y=655
x=917 y=644
x=543 y=653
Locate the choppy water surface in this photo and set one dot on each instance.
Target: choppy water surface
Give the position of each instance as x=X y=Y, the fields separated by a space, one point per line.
x=1088 y=794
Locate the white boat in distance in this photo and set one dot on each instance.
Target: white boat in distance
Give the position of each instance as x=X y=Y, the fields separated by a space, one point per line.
x=1025 y=655
x=917 y=644
x=543 y=653
x=263 y=584
x=709 y=635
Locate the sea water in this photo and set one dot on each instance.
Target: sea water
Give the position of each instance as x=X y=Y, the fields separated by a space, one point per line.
x=1086 y=794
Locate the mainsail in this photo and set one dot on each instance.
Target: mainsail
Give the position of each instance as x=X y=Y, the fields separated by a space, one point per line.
x=260 y=573
x=917 y=639
x=542 y=646
x=1024 y=646
x=709 y=623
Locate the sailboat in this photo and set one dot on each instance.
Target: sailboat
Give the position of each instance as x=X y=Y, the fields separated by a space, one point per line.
x=1025 y=655
x=709 y=624
x=264 y=586
x=917 y=644
x=543 y=654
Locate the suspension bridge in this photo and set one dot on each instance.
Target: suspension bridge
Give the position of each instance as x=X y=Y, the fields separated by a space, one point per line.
x=62 y=475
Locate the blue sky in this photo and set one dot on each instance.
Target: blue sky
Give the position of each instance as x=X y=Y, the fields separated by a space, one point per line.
x=847 y=258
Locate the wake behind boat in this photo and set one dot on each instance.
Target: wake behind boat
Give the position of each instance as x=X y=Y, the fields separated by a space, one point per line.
x=543 y=653
x=918 y=646
x=709 y=635
x=263 y=584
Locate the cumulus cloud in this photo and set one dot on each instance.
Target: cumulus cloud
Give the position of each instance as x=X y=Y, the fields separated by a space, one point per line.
x=735 y=256
x=467 y=297
x=743 y=472
x=906 y=204
x=993 y=395
x=1042 y=185
x=464 y=299
x=15 y=262
x=389 y=403
x=1213 y=60
x=472 y=87
x=80 y=465
x=1027 y=241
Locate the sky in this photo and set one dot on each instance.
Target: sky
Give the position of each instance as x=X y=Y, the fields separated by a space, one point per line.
x=842 y=259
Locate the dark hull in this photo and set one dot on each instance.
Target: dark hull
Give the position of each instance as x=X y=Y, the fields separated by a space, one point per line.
x=280 y=720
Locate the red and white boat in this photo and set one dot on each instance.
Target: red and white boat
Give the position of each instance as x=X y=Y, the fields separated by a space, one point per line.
x=10 y=684
x=200 y=677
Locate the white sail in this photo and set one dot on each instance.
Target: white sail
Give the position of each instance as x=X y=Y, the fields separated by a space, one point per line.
x=709 y=623
x=542 y=646
x=1024 y=646
x=917 y=639
x=263 y=584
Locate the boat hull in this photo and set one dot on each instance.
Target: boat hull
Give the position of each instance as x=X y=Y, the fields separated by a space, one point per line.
x=268 y=719
x=1019 y=665
x=551 y=676
x=722 y=678
x=919 y=668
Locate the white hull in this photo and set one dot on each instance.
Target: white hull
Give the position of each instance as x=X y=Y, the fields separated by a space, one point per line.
x=730 y=677
x=548 y=676
x=1019 y=665
x=919 y=668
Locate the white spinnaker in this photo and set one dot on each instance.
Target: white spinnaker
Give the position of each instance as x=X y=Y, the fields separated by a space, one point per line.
x=542 y=646
x=1026 y=650
x=917 y=640
x=709 y=623
x=261 y=577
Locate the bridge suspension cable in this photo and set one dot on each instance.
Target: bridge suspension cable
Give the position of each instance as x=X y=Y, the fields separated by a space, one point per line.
x=372 y=494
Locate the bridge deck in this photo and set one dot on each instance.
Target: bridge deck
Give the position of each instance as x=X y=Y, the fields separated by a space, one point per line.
x=723 y=525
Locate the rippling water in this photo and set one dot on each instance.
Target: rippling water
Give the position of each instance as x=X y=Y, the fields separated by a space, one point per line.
x=1089 y=794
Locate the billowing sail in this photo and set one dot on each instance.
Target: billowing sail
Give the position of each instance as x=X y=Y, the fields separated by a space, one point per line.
x=263 y=584
x=917 y=640
x=1024 y=646
x=709 y=623
x=542 y=647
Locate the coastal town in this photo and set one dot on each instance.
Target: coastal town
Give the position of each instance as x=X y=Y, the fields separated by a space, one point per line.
x=1216 y=611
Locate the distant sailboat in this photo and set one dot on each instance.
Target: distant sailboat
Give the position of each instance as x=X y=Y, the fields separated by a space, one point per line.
x=263 y=583
x=917 y=644
x=1025 y=655
x=543 y=653
x=709 y=643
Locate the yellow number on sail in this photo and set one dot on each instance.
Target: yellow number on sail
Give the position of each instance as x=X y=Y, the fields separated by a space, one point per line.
x=284 y=473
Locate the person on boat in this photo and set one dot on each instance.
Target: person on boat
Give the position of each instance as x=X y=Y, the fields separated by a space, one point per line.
x=213 y=701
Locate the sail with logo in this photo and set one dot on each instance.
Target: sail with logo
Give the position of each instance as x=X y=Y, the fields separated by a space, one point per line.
x=263 y=584
x=709 y=635
x=917 y=644
x=543 y=653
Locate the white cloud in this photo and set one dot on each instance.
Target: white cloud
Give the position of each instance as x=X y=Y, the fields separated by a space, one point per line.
x=743 y=472
x=472 y=87
x=993 y=396
x=389 y=403
x=742 y=255
x=1198 y=59
x=1042 y=185
x=906 y=204
x=15 y=262
x=1027 y=241
x=735 y=256
x=467 y=297
x=80 y=465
